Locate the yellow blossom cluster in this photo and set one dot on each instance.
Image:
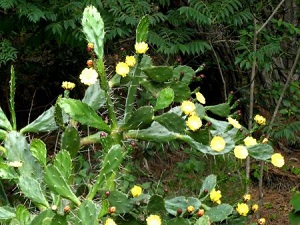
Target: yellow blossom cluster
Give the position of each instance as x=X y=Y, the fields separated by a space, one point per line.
x=153 y=220
x=67 y=85
x=260 y=119
x=188 y=108
x=217 y=143
x=136 y=191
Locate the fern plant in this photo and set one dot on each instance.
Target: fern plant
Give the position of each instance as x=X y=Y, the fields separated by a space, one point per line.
x=7 y=52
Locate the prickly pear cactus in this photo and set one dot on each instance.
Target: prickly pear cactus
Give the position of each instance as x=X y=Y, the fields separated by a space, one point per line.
x=93 y=28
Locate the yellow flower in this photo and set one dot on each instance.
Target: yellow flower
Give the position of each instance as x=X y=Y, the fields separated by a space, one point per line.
x=246 y=197
x=153 y=220
x=136 y=191
x=194 y=122
x=217 y=143
x=261 y=221
x=260 y=119
x=15 y=164
x=122 y=69
x=265 y=141
x=254 y=207
x=190 y=209
x=110 y=221
x=141 y=47
x=90 y=46
x=249 y=141
x=240 y=152
x=242 y=209
x=215 y=196
x=277 y=160
x=130 y=60
x=88 y=76
x=200 y=98
x=188 y=107
x=67 y=85
x=234 y=123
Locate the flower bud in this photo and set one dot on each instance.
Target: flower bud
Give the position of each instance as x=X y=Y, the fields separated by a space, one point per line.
x=179 y=211
x=112 y=209
x=67 y=209
x=200 y=212
x=89 y=63
x=103 y=134
x=90 y=47
x=107 y=193
x=190 y=209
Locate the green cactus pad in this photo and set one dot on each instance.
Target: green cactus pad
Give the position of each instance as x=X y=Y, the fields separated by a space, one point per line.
x=141 y=118
x=120 y=201
x=261 y=151
x=219 y=213
x=4 y=122
x=165 y=98
x=181 y=90
x=142 y=29
x=47 y=214
x=222 y=110
x=44 y=123
x=184 y=74
x=22 y=215
x=88 y=213
x=208 y=185
x=156 y=205
x=159 y=73
x=94 y=96
x=179 y=221
x=38 y=150
x=172 y=122
x=204 y=220
x=181 y=202
x=63 y=163
x=31 y=188
x=58 y=184
x=7 y=213
x=3 y=134
x=82 y=113
x=70 y=141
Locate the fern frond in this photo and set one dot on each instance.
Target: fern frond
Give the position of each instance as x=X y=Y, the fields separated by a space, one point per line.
x=195 y=15
x=32 y=12
x=7 y=4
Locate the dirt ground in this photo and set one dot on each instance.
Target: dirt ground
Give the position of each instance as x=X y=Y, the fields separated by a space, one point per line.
x=279 y=185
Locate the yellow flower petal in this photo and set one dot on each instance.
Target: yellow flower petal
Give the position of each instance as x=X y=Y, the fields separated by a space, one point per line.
x=188 y=107
x=200 y=98
x=88 y=76
x=240 y=152
x=249 y=141
x=260 y=119
x=153 y=220
x=141 y=47
x=234 y=123
x=194 y=122
x=122 y=69
x=67 y=85
x=242 y=209
x=217 y=143
x=136 y=191
x=277 y=160
x=110 y=221
x=215 y=196
x=130 y=60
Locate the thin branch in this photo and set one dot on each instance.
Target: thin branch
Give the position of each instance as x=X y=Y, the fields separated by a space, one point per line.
x=220 y=71
x=270 y=17
x=252 y=85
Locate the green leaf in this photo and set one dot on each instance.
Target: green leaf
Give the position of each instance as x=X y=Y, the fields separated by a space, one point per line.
x=165 y=98
x=261 y=151
x=294 y=217
x=295 y=202
x=58 y=184
x=4 y=122
x=83 y=113
x=142 y=30
x=222 y=110
x=3 y=134
x=172 y=122
x=141 y=118
x=70 y=141
x=44 y=123
x=31 y=188
x=159 y=73
x=94 y=96
x=38 y=150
